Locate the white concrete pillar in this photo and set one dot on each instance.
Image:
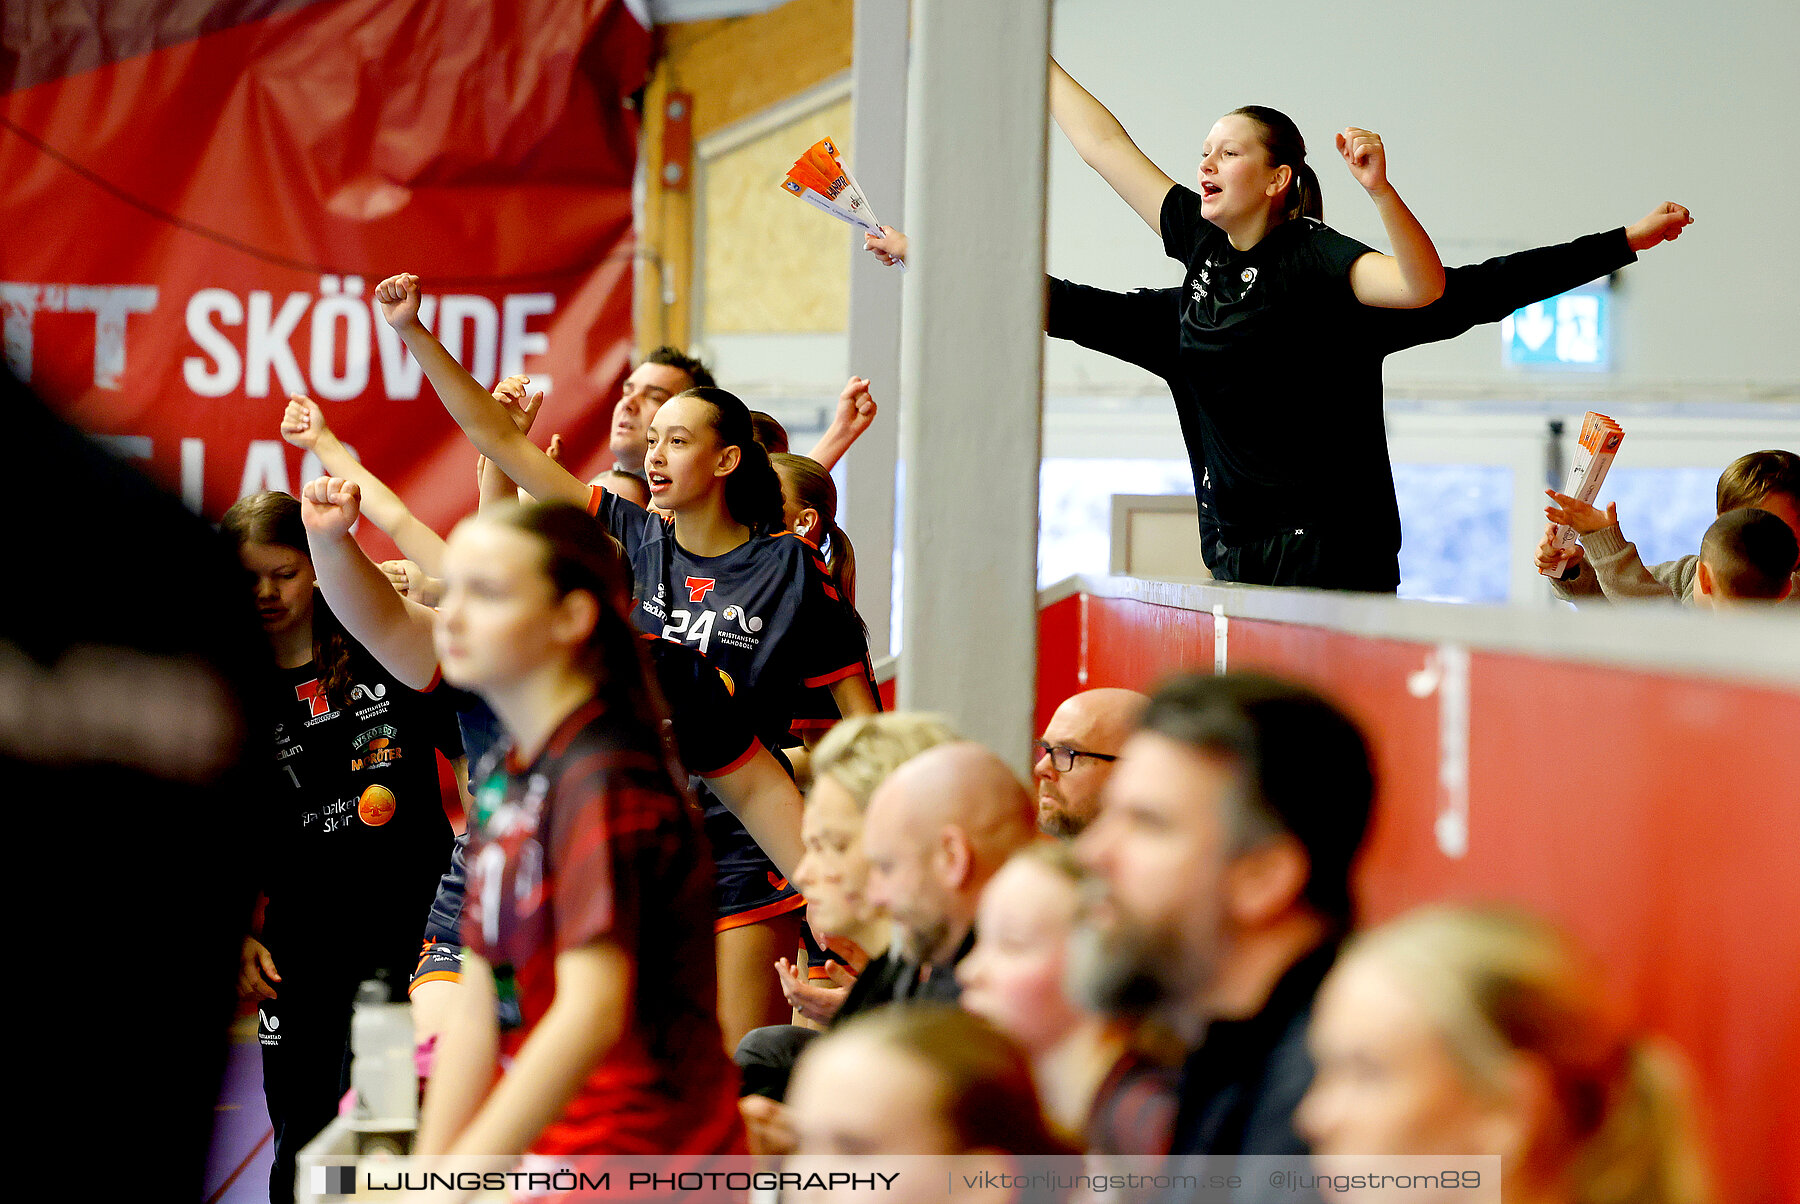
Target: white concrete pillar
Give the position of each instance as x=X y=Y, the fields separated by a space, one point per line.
x=972 y=365
x=878 y=133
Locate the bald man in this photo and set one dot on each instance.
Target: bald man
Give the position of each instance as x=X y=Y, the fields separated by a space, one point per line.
x=1076 y=755
x=936 y=831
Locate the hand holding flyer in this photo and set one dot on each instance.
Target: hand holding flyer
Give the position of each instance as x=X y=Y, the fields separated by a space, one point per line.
x=1600 y=439
x=820 y=178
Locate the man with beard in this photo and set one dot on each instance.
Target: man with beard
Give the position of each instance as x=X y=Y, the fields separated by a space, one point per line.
x=936 y=831
x=1221 y=865
x=1076 y=755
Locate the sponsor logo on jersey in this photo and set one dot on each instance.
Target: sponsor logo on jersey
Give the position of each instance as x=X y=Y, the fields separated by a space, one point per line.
x=376 y=806
x=313 y=694
x=374 y=747
x=699 y=587
x=776 y=881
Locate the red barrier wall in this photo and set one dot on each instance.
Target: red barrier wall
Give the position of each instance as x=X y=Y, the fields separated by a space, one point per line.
x=1657 y=816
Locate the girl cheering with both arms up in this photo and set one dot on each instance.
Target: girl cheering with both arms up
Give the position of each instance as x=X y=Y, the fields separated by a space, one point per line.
x=1279 y=399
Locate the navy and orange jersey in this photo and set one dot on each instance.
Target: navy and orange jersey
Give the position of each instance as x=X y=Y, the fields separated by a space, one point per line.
x=817 y=710
x=357 y=829
x=765 y=612
x=712 y=735
x=594 y=840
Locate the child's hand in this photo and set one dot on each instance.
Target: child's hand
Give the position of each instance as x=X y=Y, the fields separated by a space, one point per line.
x=855 y=408
x=399 y=297
x=330 y=506
x=890 y=249
x=521 y=409
x=1364 y=155
x=303 y=422
x=1578 y=514
x=1662 y=224
x=256 y=971
x=1554 y=562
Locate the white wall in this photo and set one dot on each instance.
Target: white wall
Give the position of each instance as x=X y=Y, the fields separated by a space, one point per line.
x=1508 y=126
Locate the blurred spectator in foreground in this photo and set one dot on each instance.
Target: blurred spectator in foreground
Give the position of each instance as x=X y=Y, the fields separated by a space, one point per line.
x=1464 y=1031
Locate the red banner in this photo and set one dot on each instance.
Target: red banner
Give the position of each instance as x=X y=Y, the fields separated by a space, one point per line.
x=199 y=200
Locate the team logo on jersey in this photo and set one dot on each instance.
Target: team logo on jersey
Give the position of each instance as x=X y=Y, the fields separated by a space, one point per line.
x=1249 y=276
x=699 y=587
x=372 y=693
x=267 y=1028
x=376 y=806
x=750 y=623
x=313 y=694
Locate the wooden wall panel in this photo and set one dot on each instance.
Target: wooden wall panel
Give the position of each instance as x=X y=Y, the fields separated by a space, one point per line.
x=772 y=262
x=734 y=69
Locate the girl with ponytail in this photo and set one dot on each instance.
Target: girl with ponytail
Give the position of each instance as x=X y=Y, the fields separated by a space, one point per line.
x=809 y=509
x=1470 y=1031
x=712 y=568
x=586 y=868
x=1278 y=392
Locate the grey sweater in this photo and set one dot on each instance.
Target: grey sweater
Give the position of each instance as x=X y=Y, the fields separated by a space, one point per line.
x=1613 y=572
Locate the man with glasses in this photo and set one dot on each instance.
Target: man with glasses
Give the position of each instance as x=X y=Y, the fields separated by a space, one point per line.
x=1076 y=755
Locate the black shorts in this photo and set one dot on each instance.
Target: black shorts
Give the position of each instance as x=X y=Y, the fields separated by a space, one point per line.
x=1308 y=559
x=439 y=961
x=747 y=886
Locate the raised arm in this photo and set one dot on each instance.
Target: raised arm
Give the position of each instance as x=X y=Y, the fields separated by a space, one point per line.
x=1139 y=327
x=1413 y=275
x=1104 y=146
x=1618 y=569
x=396 y=631
x=493 y=486
x=303 y=425
x=1494 y=288
x=483 y=419
x=855 y=413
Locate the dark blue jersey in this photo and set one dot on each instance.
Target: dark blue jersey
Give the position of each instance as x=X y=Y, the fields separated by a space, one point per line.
x=765 y=613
